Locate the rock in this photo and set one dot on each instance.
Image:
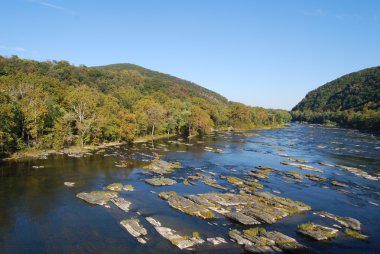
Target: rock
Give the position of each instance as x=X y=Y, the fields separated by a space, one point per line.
x=292 y=206
x=248 y=186
x=358 y=172
x=317 y=232
x=301 y=166
x=69 y=184
x=212 y=182
x=315 y=178
x=237 y=236
x=186 y=205
x=279 y=238
x=326 y=164
x=295 y=175
x=128 y=187
x=160 y=181
x=114 y=187
x=336 y=183
x=262 y=214
x=297 y=160
x=134 y=228
x=121 y=203
x=162 y=167
x=257 y=240
x=242 y=218
x=216 y=240
x=262 y=249
x=261 y=172
x=182 y=242
x=97 y=197
x=354 y=234
x=347 y=222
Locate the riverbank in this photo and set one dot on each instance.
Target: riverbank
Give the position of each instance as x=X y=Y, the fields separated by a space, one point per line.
x=78 y=150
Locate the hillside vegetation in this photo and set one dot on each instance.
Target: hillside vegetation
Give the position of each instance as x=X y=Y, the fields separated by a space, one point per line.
x=54 y=105
x=351 y=101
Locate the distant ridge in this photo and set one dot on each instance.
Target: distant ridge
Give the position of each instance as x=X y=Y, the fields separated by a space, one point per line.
x=352 y=100
x=167 y=82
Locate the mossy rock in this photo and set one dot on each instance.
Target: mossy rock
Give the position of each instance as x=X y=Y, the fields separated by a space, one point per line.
x=254 y=231
x=114 y=187
x=355 y=234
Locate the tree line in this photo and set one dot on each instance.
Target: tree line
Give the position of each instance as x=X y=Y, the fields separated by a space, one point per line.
x=55 y=104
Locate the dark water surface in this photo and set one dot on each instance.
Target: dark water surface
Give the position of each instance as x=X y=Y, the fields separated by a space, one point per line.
x=38 y=214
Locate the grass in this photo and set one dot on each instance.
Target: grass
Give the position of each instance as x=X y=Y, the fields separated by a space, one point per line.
x=234 y=180
x=354 y=234
x=254 y=231
x=306 y=226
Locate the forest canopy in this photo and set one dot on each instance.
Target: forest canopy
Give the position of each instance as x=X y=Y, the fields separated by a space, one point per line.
x=351 y=101
x=54 y=104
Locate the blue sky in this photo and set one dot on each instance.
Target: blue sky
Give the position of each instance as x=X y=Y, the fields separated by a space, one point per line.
x=262 y=53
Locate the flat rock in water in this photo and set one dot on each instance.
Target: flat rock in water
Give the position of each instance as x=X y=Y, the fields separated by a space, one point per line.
x=160 y=181
x=257 y=241
x=114 y=187
x=128 y=187
x=69 y=184
x=344 y=221
x=162 y=167
x=317 y=232
x=262 y=249
x=182 y=242
x=97 y=197
x=134 y=227
x=216 y=240
x=242 y=218
x=186 y=205
x=121 y=203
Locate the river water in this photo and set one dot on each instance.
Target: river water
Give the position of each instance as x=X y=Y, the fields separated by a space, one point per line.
x=39 y=214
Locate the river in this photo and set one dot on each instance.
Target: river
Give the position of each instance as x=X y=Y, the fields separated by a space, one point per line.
x=39 y=214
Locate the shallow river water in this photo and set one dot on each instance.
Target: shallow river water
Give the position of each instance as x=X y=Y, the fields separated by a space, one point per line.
x=39 y=214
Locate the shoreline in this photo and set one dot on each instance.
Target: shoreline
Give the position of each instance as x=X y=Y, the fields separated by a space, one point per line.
x=36 y=153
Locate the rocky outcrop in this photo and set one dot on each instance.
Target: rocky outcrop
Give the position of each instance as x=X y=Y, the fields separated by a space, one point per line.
x=186 y=205
x=301 y=166
x=294 y=175
x=128 y=187
x=182 y=242
x=160 y=181
x=347 y=222
x=248 y=209
x=241 y=218
x=114 y=187
x=121 y=203
x=97 y=197
x=134 y=228
x=359 y=172
x=162 y=167
x=244 y=185
x=315 y=178
x=257 y=240
x=317 y=232
x=339 y=184
x=216 y=240
x=69 y=184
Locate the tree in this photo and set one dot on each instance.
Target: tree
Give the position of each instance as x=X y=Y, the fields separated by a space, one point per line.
x=34 y=108
x=7 y=120
x=150 y=114
x=199 y=121
x=82 y=102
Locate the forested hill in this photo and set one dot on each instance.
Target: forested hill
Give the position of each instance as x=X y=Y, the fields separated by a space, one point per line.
x=54 y=104
x=352 y=100
x=171 y=85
